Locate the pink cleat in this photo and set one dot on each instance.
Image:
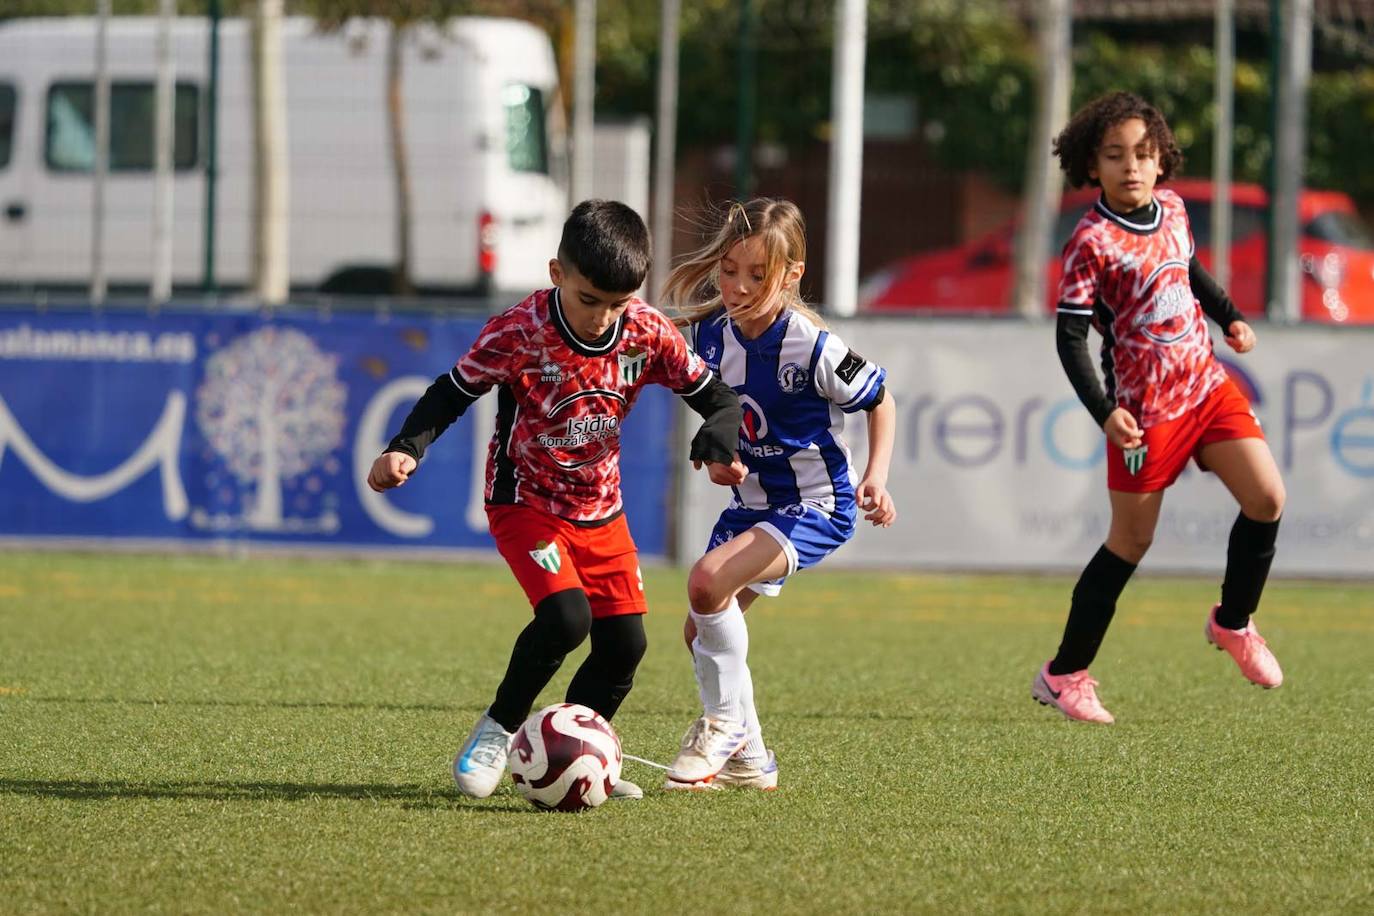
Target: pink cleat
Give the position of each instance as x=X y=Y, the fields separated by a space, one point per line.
x=1248 y=648
x=1073 y=694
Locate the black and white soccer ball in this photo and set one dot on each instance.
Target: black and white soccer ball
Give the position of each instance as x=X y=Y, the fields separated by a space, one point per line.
x=565 y=758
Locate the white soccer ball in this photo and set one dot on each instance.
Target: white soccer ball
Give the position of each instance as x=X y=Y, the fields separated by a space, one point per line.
x=565 y=758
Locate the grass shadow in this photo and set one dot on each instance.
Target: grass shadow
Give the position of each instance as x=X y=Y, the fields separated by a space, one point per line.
x=260 y=704
x=409 y=796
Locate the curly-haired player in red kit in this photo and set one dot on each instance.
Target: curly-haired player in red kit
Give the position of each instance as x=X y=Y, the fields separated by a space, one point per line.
x=1131 y=272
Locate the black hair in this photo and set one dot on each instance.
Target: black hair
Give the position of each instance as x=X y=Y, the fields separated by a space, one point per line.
x=1077 y=145
x=608 y=244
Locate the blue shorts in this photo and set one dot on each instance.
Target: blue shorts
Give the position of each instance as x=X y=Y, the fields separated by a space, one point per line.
x=805 y=534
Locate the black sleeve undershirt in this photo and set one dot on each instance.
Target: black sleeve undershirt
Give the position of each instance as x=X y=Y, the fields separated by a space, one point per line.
x=434 y=412
x=719 y=434
x=1071 y=339
x=1215 y=303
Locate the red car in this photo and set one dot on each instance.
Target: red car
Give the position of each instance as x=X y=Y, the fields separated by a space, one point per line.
x=1337 y=251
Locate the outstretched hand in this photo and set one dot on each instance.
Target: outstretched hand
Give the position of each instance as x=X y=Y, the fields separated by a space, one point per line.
x=877 y=504
x=391 y=469
x=1122 y=429
x=1240 y=337
x=727 y=475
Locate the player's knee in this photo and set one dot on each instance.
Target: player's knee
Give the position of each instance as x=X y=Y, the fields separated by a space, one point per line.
x=704 y=591
x=1130 y=546
x=1266 y=505
x=619 y=643
x=566 y=618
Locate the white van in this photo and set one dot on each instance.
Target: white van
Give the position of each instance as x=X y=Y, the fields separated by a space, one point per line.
x=484 y=135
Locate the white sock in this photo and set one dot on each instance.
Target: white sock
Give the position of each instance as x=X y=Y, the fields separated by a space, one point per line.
x=754 y=748
x=719 y=655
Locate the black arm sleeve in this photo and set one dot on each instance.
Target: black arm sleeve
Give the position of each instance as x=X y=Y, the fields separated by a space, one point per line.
x=1215 y=303
x=719 y=434
x=877 y=398
x=438 y=407
x=1071 y=338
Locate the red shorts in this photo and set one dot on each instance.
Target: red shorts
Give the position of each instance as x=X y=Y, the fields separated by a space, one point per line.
x=549 y=554
x=1164 y=453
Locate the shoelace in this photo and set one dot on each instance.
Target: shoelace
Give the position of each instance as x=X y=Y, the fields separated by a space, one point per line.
x=707 y=734
x=1252 y=641
x=694 y=733
x=491 y=742
x=1083 y=684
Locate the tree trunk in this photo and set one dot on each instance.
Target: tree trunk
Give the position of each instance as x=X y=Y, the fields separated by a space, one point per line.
x=266 y=514
x=395 y=109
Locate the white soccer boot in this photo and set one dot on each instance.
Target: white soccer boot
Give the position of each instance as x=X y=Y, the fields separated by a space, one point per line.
x=738 y=773
x=706 y=747
x=481 y=763
x=626 y=791
x=742 y=773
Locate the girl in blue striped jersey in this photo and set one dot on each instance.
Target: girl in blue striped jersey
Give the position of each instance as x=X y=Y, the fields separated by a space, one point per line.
x=796 y=497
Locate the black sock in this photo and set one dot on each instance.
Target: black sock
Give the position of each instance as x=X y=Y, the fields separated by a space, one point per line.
x=1248 y=557
x=618 y=643
x=560 y=623
x=1094 y=603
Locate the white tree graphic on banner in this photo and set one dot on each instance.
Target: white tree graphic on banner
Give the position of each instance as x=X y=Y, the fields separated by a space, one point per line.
x=272 y=407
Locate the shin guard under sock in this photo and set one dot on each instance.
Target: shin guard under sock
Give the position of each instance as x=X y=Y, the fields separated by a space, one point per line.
x=1248 y=557
x=1094 y=604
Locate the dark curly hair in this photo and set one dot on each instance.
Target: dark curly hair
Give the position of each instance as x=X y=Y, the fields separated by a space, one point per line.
x=1077 y=145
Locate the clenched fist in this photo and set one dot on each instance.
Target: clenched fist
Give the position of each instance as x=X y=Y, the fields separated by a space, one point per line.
x=391 y=469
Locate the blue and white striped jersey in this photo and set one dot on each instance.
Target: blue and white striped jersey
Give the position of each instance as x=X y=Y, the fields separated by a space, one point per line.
x=796 y=382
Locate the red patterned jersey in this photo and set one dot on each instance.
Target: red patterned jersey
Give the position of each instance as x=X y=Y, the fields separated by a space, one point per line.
x=561 y=400
x=1133 y=280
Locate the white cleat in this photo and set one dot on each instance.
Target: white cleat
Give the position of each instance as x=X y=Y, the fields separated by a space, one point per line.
x=481 y=763
x=626 y=790
x=741 y=773
x=706 y=748
x=738 y=773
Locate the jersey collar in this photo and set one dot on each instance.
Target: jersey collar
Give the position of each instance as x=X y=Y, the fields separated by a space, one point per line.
x=1142 y=220
x=770 y=334
x=602 y=346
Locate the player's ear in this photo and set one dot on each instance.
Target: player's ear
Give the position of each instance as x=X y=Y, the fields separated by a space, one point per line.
x=795 y=272
x=556 y=271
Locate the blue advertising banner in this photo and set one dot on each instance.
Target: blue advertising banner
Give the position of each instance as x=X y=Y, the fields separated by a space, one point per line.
x=238 y=426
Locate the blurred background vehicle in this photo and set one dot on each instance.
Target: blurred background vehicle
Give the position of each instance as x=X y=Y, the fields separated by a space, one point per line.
x=483 y=135
x=1336 y=250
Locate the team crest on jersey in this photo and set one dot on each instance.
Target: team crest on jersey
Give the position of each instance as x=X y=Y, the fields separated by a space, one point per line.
x=545 y=553
x=1135 y=458
x=792 y=378
x=632 y=364
x=551 y=372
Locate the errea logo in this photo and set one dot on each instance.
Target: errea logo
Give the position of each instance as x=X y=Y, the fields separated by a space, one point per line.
x=550 y=371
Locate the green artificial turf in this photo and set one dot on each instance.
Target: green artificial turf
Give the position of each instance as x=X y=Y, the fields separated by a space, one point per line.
x=210 y=735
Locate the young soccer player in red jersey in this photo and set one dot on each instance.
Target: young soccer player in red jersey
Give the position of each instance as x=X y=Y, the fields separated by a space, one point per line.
x=568 y=364
x=1130 y=271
